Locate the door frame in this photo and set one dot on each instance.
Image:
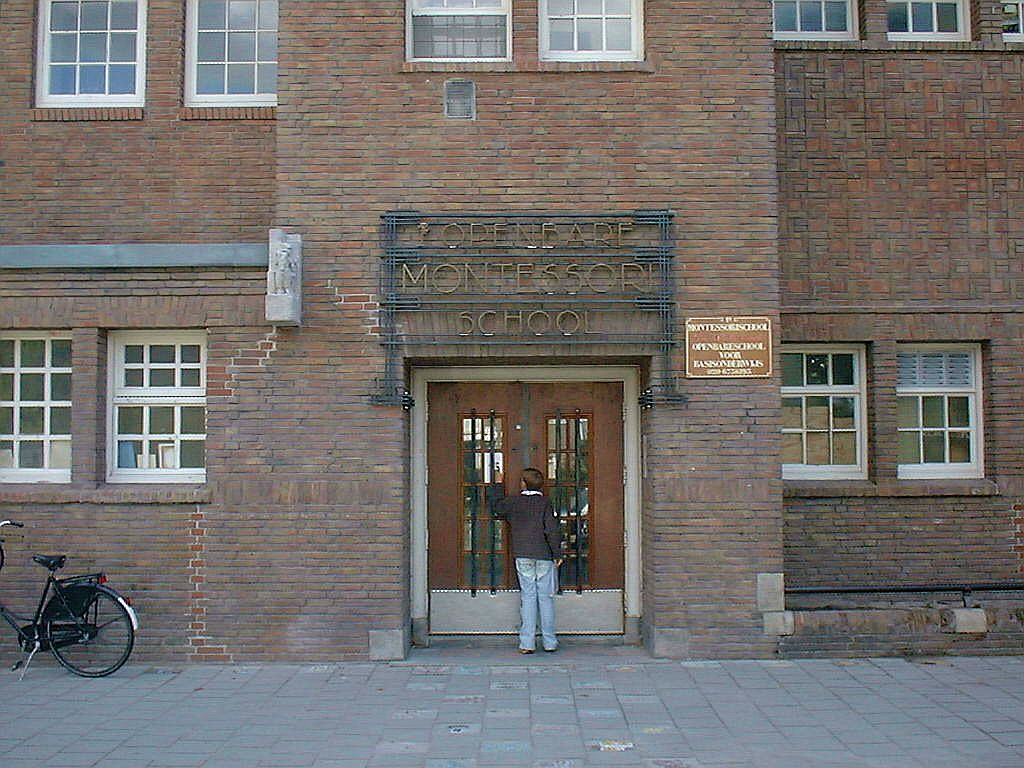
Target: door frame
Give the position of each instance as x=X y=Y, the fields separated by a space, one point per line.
x=629 y=376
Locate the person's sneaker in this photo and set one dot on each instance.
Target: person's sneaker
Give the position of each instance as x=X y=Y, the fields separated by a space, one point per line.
x=551 y=650
x=526 y=650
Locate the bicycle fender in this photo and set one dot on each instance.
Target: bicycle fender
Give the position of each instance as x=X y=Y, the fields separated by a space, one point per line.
x=131 y=611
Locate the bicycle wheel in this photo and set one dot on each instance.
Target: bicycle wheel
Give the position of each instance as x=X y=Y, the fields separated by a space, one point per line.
x=98 y=641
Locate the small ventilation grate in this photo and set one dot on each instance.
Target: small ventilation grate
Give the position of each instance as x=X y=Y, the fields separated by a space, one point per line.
x=460 y=99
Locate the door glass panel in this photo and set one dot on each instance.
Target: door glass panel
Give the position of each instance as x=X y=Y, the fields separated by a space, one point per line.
x=568 y=487
x=485 y=560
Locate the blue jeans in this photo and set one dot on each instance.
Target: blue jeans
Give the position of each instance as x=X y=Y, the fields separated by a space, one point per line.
x=537 y=585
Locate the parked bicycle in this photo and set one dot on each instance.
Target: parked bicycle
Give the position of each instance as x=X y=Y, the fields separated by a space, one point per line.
x=88 y=626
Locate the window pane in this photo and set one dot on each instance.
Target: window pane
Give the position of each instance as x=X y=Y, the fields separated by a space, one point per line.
x=6 y=421
x=947 y=20
x=934 y=447
x=60 y=421
x=921 y=17
x=817 y=369
x=94 y=15
x=7 y=353
x=561 y=35
x=32 y=386
x=6 y=386
x=560 y=7
x=30 y=454
x=960 y=446
x=242 y=46
x=835 y=17
x=785 y=16
x=1011 y=18
x=6 y=454
x=193 y=420
x=268 y=46
x=60 y=454
x=959 y=411
x=268 y=14
x=60 y=386
x=60 y=353
x=161 y=377
x=212 y=14
x=906 y=410
x=122 y=15
x=792 y=370
x=94 y=47
x=844 y=448
x=932 y=411
x=810 y=16
x=617 y=7
x=129 y=421
x=161 y=420
x=63 y=16
x=909 y=448
x=64 y=48
x=133 y=377
x=588 y=35
x=211 y=46
x=161 y=353
x=817 y=448
x=190 y=353
x=898 y=17
x=31 y=421
x=792 y=413
x=128 y=452
x=842 y=369
x=62 y=80
x=459 y=37
x=122 y=47
x=590 y=7
x=817 y=412
x=93 y=79
x=842 y=413
x=190 y=377
x=266 y=82
x=792 y=449
x=210 y=78
x=242 y=14
x=618 y=33
x=193 y=454
x=33 y=354
x=133 y=353
x=241 y=78
x=122 y=78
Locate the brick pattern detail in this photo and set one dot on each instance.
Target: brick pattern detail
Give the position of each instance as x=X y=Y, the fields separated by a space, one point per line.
x=223 y=379
x=365 y=305
x=87 y=115
x=199 y=646
x=227 y=113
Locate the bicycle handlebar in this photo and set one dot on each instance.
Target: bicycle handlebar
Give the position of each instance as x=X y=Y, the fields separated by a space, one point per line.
x=11 y=522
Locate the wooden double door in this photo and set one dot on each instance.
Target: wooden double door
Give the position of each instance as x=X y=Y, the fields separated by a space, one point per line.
x=480 y=436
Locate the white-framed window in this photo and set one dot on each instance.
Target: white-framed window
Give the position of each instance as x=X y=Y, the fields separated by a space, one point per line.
x=939 y=411
x=591 y=30
x=824 y=434
x=231 y=54
x=815 y=19
x=1013 y=21
x=35 y=407
x=157 y=414
x=91 y=53
x=459 y=30
x=928 y=20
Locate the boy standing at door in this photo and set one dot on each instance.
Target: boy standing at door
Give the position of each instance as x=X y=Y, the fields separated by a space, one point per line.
x=536 y=546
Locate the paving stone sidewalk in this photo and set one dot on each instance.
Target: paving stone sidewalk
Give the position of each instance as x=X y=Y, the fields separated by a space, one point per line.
x=475 y=708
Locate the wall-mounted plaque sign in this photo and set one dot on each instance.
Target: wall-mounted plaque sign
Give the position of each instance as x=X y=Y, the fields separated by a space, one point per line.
x=728 y=347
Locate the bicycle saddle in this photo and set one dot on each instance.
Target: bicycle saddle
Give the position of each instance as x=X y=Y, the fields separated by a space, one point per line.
x=50 y=562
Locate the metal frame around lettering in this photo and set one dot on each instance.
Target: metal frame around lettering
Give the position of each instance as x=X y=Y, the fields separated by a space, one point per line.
x=397 y=252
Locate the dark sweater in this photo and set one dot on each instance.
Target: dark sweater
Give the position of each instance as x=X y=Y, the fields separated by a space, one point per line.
x=535 y=530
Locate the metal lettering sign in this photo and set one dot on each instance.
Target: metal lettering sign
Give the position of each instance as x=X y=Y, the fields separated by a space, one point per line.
x=728 y=347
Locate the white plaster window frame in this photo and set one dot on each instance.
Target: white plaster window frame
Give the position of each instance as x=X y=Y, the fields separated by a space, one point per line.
x=193 y=99
x=121 y=395
x=411 y=11
x=963 y=22
x=636 y=52
x=45 y=474
x=857 y=390
x=1015 y=37
x=852 y=32
x=950 y=470
x=43 y=53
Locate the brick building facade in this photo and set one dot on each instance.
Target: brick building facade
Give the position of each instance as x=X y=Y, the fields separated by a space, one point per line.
x=619 y=170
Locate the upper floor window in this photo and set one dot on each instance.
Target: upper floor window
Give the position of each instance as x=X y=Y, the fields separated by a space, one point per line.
x=929 y=20
x=823 y=432
x=458 y=30
x=35 y=408
x=815 y=19
x=1013 y=20
x=91 y=53
x=939 y=411
x=232 y=53
x=591 y=30
x=157 y=407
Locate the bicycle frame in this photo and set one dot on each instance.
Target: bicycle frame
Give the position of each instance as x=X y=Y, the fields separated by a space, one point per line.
x=31 y=633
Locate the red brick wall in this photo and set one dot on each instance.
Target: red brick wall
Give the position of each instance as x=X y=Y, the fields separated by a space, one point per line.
x=151 y=175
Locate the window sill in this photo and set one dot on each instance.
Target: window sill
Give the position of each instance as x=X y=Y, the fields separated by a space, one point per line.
x=86 y=114
x=46 y=493
x=827 y=489
x=227 y=113
x=528 y=67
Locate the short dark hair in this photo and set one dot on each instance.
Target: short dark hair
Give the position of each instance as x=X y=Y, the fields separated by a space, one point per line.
x=533 y=479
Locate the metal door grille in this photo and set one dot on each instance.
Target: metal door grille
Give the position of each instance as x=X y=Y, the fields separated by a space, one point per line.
x=568 y=481
x=483 y=469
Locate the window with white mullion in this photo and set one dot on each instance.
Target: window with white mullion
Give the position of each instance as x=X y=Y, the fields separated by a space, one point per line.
x=938 y=412
x=814 y=19
x=459 y=30
x=232 y=52
x=158 y=407
x=1013 y=20
x=591 y=30
x=35 y=408
x=91 y=53
x=823 y=432
x=928 y=20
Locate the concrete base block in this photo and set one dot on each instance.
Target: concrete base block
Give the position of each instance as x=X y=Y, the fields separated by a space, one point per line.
x=669 y=643
x=778 y=623
x=631 y=631
x=420 y=633
x=969 y=621
x=388 y=644
x=771 y=592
